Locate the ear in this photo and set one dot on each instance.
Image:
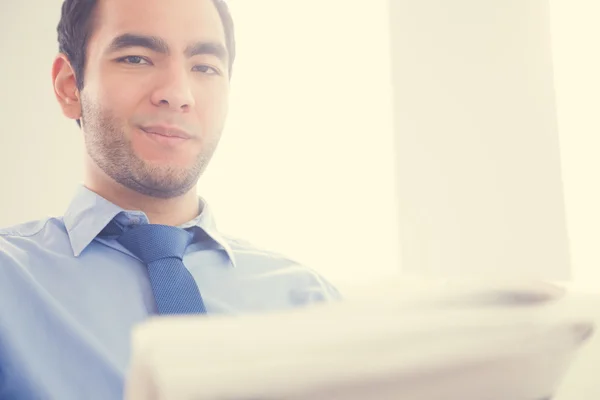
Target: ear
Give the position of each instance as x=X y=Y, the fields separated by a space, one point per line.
x=65 y=87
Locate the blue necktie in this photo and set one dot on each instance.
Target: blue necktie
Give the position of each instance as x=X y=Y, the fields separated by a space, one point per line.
x=161 y=248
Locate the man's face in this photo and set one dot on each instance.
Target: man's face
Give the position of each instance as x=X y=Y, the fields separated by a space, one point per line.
x=155 y=94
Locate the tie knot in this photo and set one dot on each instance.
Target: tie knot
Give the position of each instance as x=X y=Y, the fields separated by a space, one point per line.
x=151 y=242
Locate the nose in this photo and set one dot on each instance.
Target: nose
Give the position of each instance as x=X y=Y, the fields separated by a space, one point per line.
x=174 y=92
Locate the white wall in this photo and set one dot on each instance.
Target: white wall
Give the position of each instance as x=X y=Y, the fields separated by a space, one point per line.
x=478 y=161
x=39 y=150
x=308 y=153
x=576 y=47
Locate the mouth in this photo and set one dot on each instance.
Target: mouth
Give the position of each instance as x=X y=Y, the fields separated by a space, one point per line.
x=168 y=132
x=168 y=137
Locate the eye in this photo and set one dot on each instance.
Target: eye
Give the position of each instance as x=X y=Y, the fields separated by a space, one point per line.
x=135 y=60
x=205 y=69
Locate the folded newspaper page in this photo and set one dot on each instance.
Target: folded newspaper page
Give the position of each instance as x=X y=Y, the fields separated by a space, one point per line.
x=437 y=342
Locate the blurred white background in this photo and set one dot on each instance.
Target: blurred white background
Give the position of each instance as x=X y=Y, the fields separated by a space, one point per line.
x=368 y=138
x=576 y=48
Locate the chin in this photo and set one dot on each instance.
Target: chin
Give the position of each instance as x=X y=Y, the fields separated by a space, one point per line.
x=177 y=160
x=163 y=181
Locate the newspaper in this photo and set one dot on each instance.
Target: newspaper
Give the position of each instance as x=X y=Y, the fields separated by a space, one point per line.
x=435 y=342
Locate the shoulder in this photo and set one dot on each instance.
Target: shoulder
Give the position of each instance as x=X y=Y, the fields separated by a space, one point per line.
x=18 y=240
x=29 y=228
x=260 y=260
x=18 y=244
x=244 y=246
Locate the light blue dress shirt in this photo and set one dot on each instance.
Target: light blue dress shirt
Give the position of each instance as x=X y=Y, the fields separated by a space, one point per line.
x=69 y=299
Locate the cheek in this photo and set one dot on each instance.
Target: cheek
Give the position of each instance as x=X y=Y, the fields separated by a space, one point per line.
x=119 y=92
x=122 y=96
x=212 y=110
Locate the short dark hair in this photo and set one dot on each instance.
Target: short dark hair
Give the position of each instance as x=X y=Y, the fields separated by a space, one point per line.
x=76 y=25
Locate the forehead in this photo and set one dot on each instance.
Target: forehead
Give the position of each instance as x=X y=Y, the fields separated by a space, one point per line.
x=178 y=22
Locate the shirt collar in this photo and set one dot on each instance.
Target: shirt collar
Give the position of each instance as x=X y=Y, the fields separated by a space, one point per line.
x=89 y=213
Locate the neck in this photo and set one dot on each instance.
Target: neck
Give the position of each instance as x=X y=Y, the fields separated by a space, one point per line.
x=172 y=211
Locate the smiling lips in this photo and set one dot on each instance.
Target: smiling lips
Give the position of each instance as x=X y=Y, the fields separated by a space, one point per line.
x=169 y=132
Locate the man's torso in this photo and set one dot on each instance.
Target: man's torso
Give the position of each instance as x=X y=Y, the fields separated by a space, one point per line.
x=67 y=308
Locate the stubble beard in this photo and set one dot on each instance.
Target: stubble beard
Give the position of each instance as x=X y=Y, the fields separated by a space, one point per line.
x=110 y=149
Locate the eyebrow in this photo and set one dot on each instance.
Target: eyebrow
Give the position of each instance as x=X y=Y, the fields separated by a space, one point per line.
x=159 y=45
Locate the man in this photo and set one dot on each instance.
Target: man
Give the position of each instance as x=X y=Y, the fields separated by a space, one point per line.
x=148 y=82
